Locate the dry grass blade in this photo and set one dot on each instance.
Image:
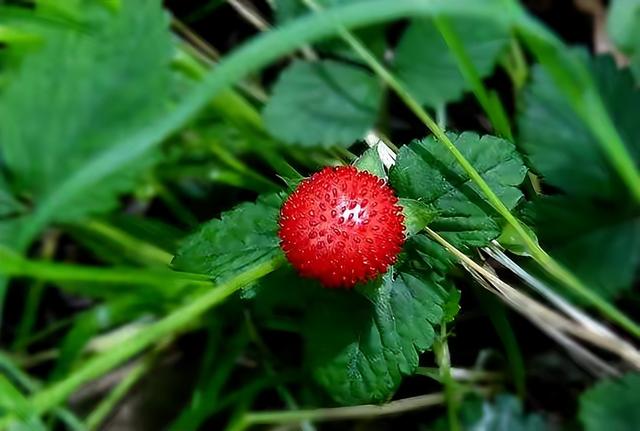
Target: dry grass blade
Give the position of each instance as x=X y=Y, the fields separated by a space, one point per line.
x=616 y=343
x=542 y=314
x=250 y=14
x=581 y=355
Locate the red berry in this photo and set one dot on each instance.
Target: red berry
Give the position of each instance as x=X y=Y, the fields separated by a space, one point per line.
x=342 y=226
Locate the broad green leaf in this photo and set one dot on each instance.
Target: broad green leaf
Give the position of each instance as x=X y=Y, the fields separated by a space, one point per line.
x=360 y=344
x=505 y=413
x=623 y=25
x=242 y=237
x=428 y=255
x=426 y=171
x=323 y=103
x=612 y=405
x=425 y=64
x=80 y=94
x=370 y=161
x=599 y=242
x=416 y=215
x=601 y=246
x=559 y=145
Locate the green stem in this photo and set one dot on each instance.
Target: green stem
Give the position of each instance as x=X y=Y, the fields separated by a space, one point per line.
x=17 y=266
x=340 y=413
x=177 y=321
x=539 y=255
x=143 y=252
x=179 y=210
x=515 y=64
x=441 y=116
x=233 y=162
x=441 y=350
x=34 y=296
x=282 y=390
x=106 y=406
x=25 y=381
x=489 y=101
x=228 y=103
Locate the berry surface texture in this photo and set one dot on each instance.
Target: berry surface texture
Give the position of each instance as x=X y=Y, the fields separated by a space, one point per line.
x=342 y=226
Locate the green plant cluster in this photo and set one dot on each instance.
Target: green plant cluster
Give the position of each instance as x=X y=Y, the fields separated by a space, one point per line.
x=141 y=177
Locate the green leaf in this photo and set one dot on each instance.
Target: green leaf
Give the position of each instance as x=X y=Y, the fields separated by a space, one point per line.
x=504 y=414
x=612 y=405
x=82 y=93
x=428 y=255
x=12 y=401
x=323 y=103
x=559 y=145
x=426 y=171
x=601 y=245
x=370 y=161
x=425 y=64
x=360 y=344
x=242 y=237
x=623 y=25
x=416 y=215
x=599 y=242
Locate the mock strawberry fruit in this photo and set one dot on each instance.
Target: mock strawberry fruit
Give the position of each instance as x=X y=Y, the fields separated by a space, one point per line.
x=342 y=226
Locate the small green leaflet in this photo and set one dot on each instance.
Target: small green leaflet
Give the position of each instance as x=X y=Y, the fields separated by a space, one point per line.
x=612 y=405
x=416 y=215
x=80 y=93
x=323 y=103
x=426 y=171
x=370 y=161
x=425 y=64
x=242 y=237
